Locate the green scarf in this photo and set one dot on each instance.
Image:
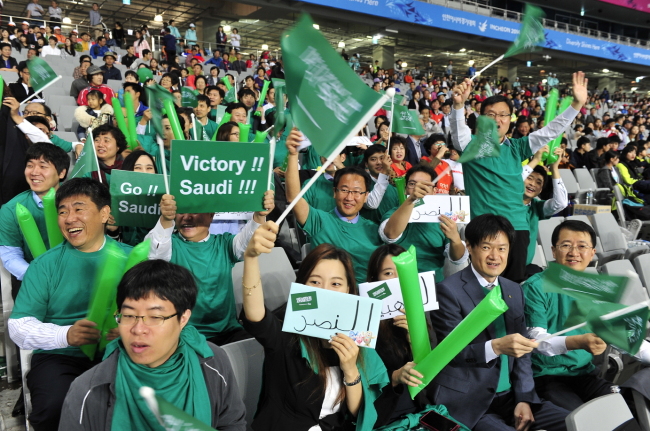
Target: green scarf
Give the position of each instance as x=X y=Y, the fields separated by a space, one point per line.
x=373 y=379
x=179 y=381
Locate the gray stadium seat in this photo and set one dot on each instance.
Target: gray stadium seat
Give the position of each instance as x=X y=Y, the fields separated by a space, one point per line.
x=570 y=183
x=68 y=136
x=115 y=85
x=642 y=266
x=544 y=233
x=11 y=353
x=586 y=182
x=277 y=276
x=247 y=360
x=8 y=76
x=65 y=117
x=611 y=237
x=58 y=104
x=600 y=414
x=634 y=292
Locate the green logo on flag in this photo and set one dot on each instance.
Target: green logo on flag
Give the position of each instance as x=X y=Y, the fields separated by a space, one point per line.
x=380 y=292
x=406 y=121
x=188 y=97
x=304 y=301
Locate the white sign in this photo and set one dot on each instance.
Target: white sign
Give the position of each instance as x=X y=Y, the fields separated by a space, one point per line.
x=233 y=216
x=428 y=209
x=391 y=295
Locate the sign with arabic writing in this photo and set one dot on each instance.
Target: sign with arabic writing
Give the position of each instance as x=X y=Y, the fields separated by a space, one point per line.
x=391 y=295
x=323 y=313
x=427 y=209
x=245 y=215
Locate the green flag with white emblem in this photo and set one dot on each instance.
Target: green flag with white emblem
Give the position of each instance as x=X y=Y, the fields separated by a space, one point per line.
x=485 y=143
x=41 y=74
x=406 y=121
x=531 y=35
x=87 y=161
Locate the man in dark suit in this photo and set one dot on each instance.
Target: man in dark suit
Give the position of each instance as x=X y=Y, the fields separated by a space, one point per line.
x=489 y=384
x=415 y=150
x=21 y=89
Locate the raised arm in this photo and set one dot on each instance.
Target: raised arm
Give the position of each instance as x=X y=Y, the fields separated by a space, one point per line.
x=263 y=241
x=461 y=134
x=398 y=222
x=292 y=178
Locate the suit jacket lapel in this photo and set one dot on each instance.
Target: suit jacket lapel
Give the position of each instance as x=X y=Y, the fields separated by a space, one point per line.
x=474 y=290
x=508 y=315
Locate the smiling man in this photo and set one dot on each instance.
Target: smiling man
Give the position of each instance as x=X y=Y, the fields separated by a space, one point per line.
x=185 y=239
x=45 y=167
x=208 y=127
x=343 y=226
x=494 y=183
x=156 y=348
x=494 y=370
x=50 y=310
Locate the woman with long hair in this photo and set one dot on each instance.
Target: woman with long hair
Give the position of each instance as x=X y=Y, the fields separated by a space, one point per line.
x=68 y=48
x=228 y=132
x=140 y=43
x=311 y=383
x=631 y=175
x=222 y=38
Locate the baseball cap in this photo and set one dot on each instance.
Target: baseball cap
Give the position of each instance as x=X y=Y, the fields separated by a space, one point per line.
x=25 y=22
x=11 y=23
x=57 y=28
x=93 y=70
x=192 y=25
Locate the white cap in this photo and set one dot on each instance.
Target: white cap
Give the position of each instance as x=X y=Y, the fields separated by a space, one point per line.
x=12 y=23
x=25 y=22
x=192 y=25
x=57 y=28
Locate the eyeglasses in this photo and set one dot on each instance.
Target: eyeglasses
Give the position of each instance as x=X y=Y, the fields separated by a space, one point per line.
x=151 y=321
x=27 y=113
x=565 y=248
x=354 y=193
x=495 y=116
x=234 y=134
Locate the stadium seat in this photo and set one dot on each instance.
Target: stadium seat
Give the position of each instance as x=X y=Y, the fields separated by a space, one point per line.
x=11 y=353
x=65 y=116
x=586 y=183
x=114 y=84
x=611 y=237
x=247 y=360
x=544 y=233
x=601 y=414
x=277 y=276
x=539 y=259
x=9 y=76
x=642 y=266
x=60 y=104
x=634 y=291
x=570 y=183
x=68 y=136
x=642 y=410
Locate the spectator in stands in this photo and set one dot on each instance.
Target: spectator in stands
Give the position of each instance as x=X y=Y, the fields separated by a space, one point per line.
x=136 y=92
x=68 y=48
x=20 y=43
x=94 y=114
x=140 y=45
x=216 y=317
x=49 y=313
x=495 y=368
x=110 y=143
x=434 y=241
x=109 y=71
x=169 y=44
x=95 y=81
x=33 y=51
x=535 y=178
x=51 y=49
x=595 y=158
x=145 y=60
x=630 y=176
x=562 y=366
x=155 y=68
x=202 y=379
x=7 y=62
x=216 y=58
x=222 y=38
x=21 y=89
x=235 y=40
x=238 y=65
x=100 y=48
x=82 y=81
x=343 y=225
x=414 y=150
x=60 y=38
x=213 y=79
x=35 y=11
x=110 y=42
x=398 y=153
x=95 y=21
x=216 y=96
x=225 y=64
x=55 y=12
x=608 y=176
x=505 y=170
x=579 y=156
x=190 y=35
x=45 y=167
x=208 y=127
x=129 y=58
x=197 y=69
x=523 y=127
x=118 y=34
x=85 y=42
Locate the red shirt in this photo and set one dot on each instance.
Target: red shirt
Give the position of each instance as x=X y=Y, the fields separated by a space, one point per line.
x=443 y=186
x=105 y=89
x=398 y=169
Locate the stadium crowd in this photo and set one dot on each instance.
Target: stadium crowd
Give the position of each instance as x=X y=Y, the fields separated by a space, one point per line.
x=177 y=308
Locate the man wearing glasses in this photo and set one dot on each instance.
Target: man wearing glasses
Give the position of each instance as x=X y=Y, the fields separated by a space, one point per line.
x=434 y=241
x=494 y=183
x=562 y=366
x=49 y=315
x=343 y=226
x=156 y=348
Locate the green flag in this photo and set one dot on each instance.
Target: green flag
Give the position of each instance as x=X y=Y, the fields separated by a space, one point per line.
x=625 y=332
x=135 y=198
x=485 y=143
x=188 y=97
x=171 y=417
x=329 y=103
x=531 y=34
x=41 y=74
x=406 y=121
x=231 y=96
x=583 y=286
x=87 y=161
x=157 y=95
x=280 y=116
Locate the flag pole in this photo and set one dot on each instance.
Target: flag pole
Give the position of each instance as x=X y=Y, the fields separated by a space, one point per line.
x=391 y=93
x=607 y=316
x=194 y=126
x=149 y=396
x=271 y=154
x=161 y=147
x=39 y=91
x=498 y=59
x=331 y=158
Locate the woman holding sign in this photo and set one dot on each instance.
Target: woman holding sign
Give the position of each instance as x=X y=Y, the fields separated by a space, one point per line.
x=310 y=383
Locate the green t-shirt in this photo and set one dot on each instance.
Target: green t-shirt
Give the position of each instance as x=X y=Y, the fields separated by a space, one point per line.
x=358 y=239
x=205 y=133
x=311 y=159
x=61 y=143
x=550 y=311
x=388 y=202
x=211 y=263
x=321 y=194
x=134 y=235
x=58 y=285
x=10 y=233
x=495 y=183
x=534 y=215
x=149 y=130
x=430 y=243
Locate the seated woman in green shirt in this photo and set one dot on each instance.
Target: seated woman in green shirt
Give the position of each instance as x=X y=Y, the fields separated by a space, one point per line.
x=434 y=241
